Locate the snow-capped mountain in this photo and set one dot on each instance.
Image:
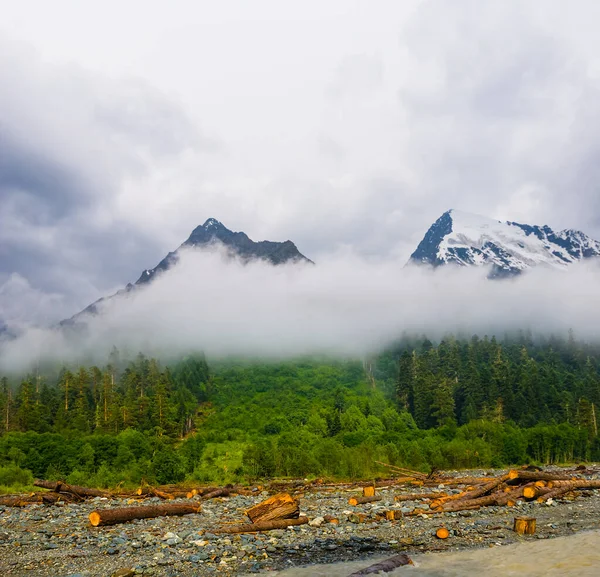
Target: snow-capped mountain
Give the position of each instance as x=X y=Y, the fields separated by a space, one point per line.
x=508 y=247
x=212 y=233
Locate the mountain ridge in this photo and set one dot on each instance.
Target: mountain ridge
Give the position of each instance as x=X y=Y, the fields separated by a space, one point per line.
x=212 y=233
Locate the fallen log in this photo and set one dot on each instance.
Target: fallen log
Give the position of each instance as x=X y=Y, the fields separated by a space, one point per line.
x=263 y=526
x=464 y=480
x=124 y=514
x=363 y=500
x=576 y=484
x=384 y=566
x=52 y=498
x=460 y=505
x=281 y=506
x=516 y=475
x=19 y=500
x=484 y=489
x=60 y=487
x=217 y=493
x=553 y=494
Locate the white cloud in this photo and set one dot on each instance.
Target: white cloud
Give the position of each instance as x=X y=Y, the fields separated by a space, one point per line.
x=345 y=305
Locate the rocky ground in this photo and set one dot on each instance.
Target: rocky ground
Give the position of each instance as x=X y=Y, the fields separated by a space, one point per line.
x=58 y=541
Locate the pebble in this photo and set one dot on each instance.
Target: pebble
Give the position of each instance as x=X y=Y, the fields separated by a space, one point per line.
x=189 y=546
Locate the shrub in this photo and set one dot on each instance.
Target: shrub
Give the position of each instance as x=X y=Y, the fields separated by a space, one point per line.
x=11 y=475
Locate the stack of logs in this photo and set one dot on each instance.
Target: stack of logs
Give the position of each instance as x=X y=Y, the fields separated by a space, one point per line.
x=506 y=490
x=276 y=512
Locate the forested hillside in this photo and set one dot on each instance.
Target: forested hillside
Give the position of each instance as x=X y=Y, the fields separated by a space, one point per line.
x=457 y=403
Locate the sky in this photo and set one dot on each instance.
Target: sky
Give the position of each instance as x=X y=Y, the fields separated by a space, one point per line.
x=345 y=126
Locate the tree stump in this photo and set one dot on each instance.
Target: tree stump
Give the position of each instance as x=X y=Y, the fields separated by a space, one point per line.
x=369 y=491
x=524 y=525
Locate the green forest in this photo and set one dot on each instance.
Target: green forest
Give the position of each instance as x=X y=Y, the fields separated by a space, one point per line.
x=456 y=403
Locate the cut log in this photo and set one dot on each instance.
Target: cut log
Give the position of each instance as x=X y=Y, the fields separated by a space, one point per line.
x=369 y=491
x=465 y=480
x=442 y=533
x=217 y=493
x=576 y=484
x=331 y=519
x=513 y=496
x=281 y=506
x=20 y=500
x=263 y=526
x=362 y=500
x=460 y=505
x=553 y=494
x=60 y=487
x=524 y=525
x=484 y=489
x=531 y=492
x=384 y=566
x=124 y=514
x=515 y=475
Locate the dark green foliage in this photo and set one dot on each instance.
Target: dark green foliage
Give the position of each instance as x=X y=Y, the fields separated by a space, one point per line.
x=452 y=404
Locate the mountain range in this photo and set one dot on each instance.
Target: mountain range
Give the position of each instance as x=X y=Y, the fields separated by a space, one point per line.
x=508 y=248
x=456 y=238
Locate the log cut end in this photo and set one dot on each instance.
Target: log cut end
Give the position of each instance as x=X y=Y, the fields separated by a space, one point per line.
x=442 y=533
x=369 y=491
x=281 y=506
x=94 y=518
x=524 y=525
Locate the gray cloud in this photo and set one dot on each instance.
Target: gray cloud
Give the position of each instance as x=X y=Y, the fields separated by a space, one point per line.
x=338 y=127
x=65 y=153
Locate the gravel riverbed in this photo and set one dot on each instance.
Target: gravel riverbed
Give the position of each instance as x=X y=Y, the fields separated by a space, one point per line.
x=58 y=541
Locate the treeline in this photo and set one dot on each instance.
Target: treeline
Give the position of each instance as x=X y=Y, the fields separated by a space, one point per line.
x=454 y=404
x=520 y=380
x=139 y=395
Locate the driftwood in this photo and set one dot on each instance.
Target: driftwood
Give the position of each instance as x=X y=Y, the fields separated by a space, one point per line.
x=263 y=526
x=281 y=506
x=385 y=566
x=124 y=514
x=60 y=487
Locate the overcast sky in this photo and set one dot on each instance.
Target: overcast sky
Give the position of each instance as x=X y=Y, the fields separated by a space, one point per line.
x=339 y=125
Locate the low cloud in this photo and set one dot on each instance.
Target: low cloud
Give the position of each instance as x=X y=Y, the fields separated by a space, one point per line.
x=343 y=306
